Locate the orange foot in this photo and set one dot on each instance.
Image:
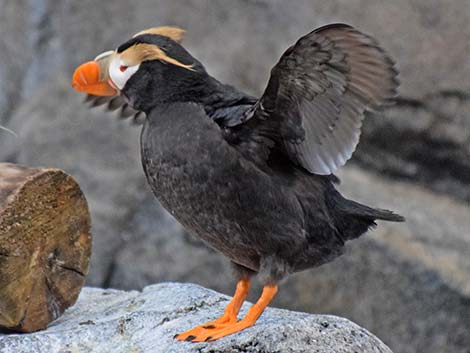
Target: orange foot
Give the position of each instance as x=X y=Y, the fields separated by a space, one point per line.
x=227 y=324
x=197 y=331
x=229 y=316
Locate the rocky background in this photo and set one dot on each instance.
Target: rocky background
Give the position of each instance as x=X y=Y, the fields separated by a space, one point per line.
x=109 y=321
x=407 y=283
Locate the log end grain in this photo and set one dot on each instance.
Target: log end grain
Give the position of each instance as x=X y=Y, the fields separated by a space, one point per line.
x=45 y=245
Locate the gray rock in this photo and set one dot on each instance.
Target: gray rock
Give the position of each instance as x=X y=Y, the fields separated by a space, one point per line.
x=112 y=321
x=425 y=140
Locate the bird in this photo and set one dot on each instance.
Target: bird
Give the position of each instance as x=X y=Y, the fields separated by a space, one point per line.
x=252 y=177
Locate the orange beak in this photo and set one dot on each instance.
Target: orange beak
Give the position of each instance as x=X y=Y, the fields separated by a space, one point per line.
x=87 y=78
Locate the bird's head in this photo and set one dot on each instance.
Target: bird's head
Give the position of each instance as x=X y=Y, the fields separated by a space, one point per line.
x=150 y=68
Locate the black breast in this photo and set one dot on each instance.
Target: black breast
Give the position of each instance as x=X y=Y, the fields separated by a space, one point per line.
x=214 y=192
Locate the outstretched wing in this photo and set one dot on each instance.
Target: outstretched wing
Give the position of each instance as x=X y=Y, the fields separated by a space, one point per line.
x=317 y=95
x=116 y=103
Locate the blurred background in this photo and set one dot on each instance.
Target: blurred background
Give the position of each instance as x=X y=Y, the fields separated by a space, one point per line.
x=407 y=283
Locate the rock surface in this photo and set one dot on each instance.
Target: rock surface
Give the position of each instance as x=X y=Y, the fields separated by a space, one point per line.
x=113 y=321
x=422 y=142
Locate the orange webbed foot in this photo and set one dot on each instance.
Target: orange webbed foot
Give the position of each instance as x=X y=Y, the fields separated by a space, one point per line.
x=222 y=331
x=229 y=316
x=226 y=325
x=204 y=329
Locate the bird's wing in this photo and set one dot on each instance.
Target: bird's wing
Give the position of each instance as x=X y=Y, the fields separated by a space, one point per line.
x=116 y=103
x=317 y=95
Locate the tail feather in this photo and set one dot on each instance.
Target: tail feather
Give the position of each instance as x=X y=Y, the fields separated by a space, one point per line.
x=357 y=209
x=353 y=219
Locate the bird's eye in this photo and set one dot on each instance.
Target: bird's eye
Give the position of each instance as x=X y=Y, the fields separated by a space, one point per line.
x=119 y=72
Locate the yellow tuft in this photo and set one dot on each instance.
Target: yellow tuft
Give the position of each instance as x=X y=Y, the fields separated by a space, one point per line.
x=174 y=33
x=141 y=52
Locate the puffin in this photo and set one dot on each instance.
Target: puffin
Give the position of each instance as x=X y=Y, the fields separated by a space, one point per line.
x=252 y=177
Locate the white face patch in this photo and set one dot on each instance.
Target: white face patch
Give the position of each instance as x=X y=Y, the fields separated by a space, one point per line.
x=120 y=73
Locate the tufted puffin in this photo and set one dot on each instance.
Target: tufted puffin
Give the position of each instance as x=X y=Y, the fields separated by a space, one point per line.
x=252 y=177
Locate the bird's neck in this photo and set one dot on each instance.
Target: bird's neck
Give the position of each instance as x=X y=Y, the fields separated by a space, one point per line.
x=219 y=99
x=199 y=88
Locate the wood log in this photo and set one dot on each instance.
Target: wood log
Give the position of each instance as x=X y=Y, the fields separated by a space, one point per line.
x=45 y=245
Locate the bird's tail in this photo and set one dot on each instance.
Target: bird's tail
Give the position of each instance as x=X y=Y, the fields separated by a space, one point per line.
x=360 y=210
x=354 y=219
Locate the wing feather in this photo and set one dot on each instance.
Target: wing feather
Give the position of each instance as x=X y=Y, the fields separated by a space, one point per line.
x=318 y=92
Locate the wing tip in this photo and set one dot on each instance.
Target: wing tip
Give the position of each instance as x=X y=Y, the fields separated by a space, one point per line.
x=332 y=25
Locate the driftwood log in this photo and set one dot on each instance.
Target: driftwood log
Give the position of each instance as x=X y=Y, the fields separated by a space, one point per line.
x=45 y=245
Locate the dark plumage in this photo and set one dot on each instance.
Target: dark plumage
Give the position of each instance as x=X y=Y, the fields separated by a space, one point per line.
x=253 y=178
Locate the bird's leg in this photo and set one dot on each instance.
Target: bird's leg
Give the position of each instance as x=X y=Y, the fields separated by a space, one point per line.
x=233 y=308
x=269 y=291
x=229 y=316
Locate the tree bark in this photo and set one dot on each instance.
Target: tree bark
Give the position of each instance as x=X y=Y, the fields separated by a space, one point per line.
x=45 y=245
